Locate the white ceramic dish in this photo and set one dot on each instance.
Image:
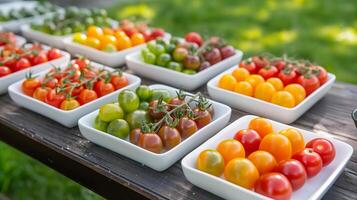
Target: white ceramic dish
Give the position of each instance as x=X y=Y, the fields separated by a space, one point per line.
x=67 y=118
x=19 y=75
x=263 y=108
x=19 y=41
x=178 y=79
x=113 y=59
x=314 y=188
x=161 y=161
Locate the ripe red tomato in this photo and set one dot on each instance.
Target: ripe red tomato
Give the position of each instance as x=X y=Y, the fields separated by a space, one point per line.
x=260 y=62
x=4 y=71
x=248 y=65
x=324 y=148
x=40 y=58
x=157 y=32
x=288 y=75
x=30 y=85
x=52 y=83
x=53 y=54
x=150 y=142
x=119 y=81
x=86 y=96
x=311 y=161
x=294 y=171
x=280 y=64
x=135 y=135
x=81 y=62
x=249 y=138
x=194 y=38
x=309 y=82
x=103 y=89
x=268 y=72
x=40 y=93
x=274 y=185
x=153 y=111
x=321 y=74
x=21 y=64
x=54 y=99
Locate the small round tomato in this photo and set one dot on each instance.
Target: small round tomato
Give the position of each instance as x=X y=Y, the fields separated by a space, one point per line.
x=278 y=145
x=137 y=38
x=230 y=149
x=154 y=111
x=81 y=62
x=296 y=139
x=260 y=62
x=128 y=100
x=79 y=38
x=69 y=104
x=124 y=42
x=135 y=135
x=194 y=38
x=4 y=71
x=94 y=31
x=283 y=98
x=277 y=83
x=250 y=140
x=242 y=172
x=41 y=93
x=51 y=82
x=263 y=161
x=255 y=80
x=150 y=142
x=21 y=64
x=297 y=91
x=110 y=112
x=119 y=128
x=268 y=72
x=264 y=91
x=309 y=82
x=250 y=66
x=119 y=81
x=274 y=185
x=170 y=136
x=30 y=85
x=54 y=99
x=227 y=82
x=104 y=89
x=294 y=171
x=92 y=42
x=261 y=125
x=187 y=127
x=324 y=148
x=39 y=59
x=53 y=54
x=244 y=87
x=288 y=75
x=202 y=117
x=321 y=74
x=280 y=64
x=87 y=96
x=240 y=74
x=210 y=161
x=311 y=161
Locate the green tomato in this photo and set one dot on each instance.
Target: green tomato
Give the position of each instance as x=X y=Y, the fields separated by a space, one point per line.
x=170 y=48
x=160 y=41
x=136 y=118
x=158 y=93
x=143 y=92
x=175 y=66
x=128 y=100
x=100 y=125
x=144 y=53
x=119 y=128
x=189 y=71
x=110 y=48
x=144 y=105
x=151 y=46
x=163 y=59
x=150 y=58
x=109 y=112
x=158 y=49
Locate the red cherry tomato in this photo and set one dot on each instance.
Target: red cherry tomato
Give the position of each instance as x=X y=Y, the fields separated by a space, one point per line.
x=274 y=185
x=102 y=88
x=248 y=65
x=30 y=85
x=89 y=74
x=194 y=38
x=4 y=71
x=268 y=72
x=324 y=148
x=54 y=99
x=280 y=64
x=309 y=82
x=151 y=142
x=260 y=62
x=119 y=81
x=294 y=171
x=53 y=54
x=81 y=62
x=321 y=74
x=311 y=161
x=21 y=64
x=202 y=117
x=288 y=75
x=87 y=96
x=39 y=59
x=250 y=140
x=52 y=83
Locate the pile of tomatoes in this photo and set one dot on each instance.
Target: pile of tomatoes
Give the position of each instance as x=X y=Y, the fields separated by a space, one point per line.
x=76 y=85
x=7 y=38
x=115 y=39
x=277 y=80
x=153 y=119
x=272 y=164
x=189 y=55
x=13 y=59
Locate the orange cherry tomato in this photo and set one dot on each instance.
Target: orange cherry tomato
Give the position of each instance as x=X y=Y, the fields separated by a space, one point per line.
x=119 y=34
x=278 y=145
x=242 y=172
x=123 y=43
x=296 y=139
x=40 y=93
x=277 y=83
x=94 y=31
x=297 y=91
x=261 y=125
x=283 y=98
x=137 y=38
x=29 y=85
x=87 y=96
x=108 y=31
x=69 y=104
x=119 y=81
x=244 y=87
x=227 y=82
x=107 y=39
x=240 y=74
x=264 y=91
x=254 y=80
x=263 y=161
x=210 y=161
x=230 y=149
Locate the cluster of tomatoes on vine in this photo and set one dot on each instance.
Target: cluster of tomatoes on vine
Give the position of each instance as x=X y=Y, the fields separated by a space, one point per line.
x=13 y=58
x=79 y=83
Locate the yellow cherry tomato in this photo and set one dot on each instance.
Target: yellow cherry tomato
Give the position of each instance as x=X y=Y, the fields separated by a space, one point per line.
x=227 y=82
x=240 y=74
x=210 y=161
x=118 y=34
x=108 y=31
x=255 y=79
x=79 y=38
x=297 y=91
x=263 y=161
x=137 y=38
x=277 y=83
x=296 y=139
x=94 y=31
x=92 y=42
x=123 y=43
x=242 y=172
x=283 y=98
x=244 y=87
x=107 y=39
x=264 y=91
x=230 y=149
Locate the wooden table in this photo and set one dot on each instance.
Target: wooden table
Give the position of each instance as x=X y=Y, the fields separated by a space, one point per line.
x=112 y=175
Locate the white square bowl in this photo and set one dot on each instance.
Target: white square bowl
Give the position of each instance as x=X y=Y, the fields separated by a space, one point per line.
x=19 y=75
x=19 y=41
x=67 y=118
x=314 y=187
x=113 y=59
x=180 y=80
x=263 y=108
x=156 y=161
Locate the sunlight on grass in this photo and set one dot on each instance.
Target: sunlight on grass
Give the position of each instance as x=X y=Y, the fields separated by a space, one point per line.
x=251 y=46
x=348 y=36
x=335 y=33
x=241 y=10
x=141 y=10
x=252 y=33
x=281 y=37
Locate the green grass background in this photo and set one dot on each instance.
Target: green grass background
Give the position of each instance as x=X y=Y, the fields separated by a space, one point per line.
x=324 y=31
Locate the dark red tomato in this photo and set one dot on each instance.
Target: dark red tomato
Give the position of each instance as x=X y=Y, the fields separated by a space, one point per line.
x=175 y=102
x=119 y=81
x=274 y=185
x=153 y=110
x=324 y=148
x=54 y=99
x=250 y=140
x=294 y=171
x=39 y=59
x=194 y=38
x=260 y=62
x=202 y=117
x=150 y=142
x=53 y=54
x=170 y=136
x=321 y=74
x=87 y=96
x=75 y=90
x=187 y=127
x=311 y=161
x=279 y=64
x=250 y=66
x=268 y=72
x=4 y=71
x=81 y=62
x=309 y=82
x=21 y=64
x=104 y=89
x=135 y=135
x=287 y=76
x=10 y=63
